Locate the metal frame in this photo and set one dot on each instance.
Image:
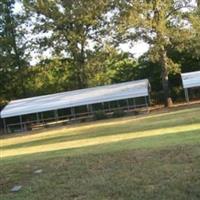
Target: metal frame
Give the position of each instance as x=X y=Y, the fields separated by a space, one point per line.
x=186 y=91
x=4 y=125
x=76 y=98
x=21 y=123
x=186 y=95
x=190 y=80
x=77 y=116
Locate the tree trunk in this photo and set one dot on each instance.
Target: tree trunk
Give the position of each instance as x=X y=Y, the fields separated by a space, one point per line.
x=165 y=78
x=79 y=59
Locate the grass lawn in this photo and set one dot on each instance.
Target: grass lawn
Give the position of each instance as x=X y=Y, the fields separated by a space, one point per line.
x=153 y=157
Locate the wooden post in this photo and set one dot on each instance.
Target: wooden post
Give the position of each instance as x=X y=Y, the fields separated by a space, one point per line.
x=187 y=95
x=4 y=125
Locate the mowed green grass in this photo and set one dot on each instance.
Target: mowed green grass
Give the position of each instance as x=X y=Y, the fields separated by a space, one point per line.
x=155 y=156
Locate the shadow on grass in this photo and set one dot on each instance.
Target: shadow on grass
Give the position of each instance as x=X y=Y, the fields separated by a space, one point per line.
x=183 y=112
x=147 y=142
x=148 y=124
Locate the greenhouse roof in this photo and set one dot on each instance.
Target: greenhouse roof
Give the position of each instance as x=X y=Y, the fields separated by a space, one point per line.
x=191 y=79
x=75 y=98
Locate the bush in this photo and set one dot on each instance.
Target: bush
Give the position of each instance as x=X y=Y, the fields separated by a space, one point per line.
x=99 y=115
x=136 y=112
x=118 y=113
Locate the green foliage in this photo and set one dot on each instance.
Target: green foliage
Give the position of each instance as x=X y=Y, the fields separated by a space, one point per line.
x=118 y=113
x=78 y=35
x=161 y=23
x=72 y=24
x=109 y=66
x=49 y=76
x=99 y=115
x=12 y=51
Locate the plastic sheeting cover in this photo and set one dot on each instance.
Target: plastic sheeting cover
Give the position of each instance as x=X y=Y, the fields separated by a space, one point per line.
x=191 y=79
x=81 y=97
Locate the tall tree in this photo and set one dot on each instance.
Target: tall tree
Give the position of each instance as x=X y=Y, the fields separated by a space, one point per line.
x=11 y=53
x=72 y=26
x=108 y=66
x=160 y=23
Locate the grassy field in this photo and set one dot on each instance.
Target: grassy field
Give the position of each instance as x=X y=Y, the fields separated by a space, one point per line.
x=154 y=157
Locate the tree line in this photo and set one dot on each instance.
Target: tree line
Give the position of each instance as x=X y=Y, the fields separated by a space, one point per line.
x=82 y=39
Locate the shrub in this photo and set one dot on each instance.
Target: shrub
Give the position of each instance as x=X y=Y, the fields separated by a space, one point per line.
x=136 y=112
x=118 y=113
x=99 y=115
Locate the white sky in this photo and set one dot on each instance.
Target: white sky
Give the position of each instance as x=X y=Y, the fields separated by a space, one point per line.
x=137 y=49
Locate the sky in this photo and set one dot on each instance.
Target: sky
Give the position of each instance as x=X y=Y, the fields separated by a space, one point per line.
x=137 y=49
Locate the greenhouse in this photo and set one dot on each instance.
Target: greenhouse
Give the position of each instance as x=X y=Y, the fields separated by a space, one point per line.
x=190 y=80
x=72 y=106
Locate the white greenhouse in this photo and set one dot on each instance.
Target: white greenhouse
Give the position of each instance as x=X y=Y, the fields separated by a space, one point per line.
x=190 y=80
x=26 y=114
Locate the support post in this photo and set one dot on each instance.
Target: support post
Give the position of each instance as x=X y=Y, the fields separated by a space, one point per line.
x=91 y=109
x=56 y=115
x=103 y=106
x=4 y=125
x=149 y=96
x=127 y=103
x=187 y=95
x=73 y=112
x=42 y=117
x=118 y=104
x=109 y=108
x=146 y=103
x=88 y=110
x=38 y=119
x=134 y=103
x=21 y=123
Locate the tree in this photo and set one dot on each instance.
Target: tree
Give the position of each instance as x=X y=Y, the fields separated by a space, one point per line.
x=160 y=23
x=12 y=60
x=72 y=26
x=107 y=66
x=49 y=76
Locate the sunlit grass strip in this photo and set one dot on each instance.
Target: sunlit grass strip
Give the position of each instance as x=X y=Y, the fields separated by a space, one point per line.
x=98 y=140
x=79 y=128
